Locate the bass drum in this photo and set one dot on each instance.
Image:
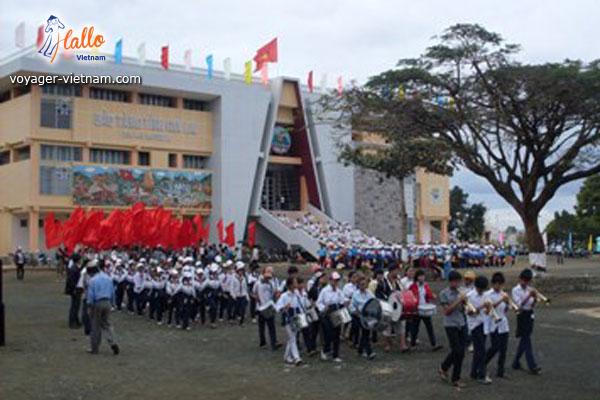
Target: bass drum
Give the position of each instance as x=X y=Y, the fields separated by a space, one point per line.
x=395 y=303
x=371 y=314
x=409 y=303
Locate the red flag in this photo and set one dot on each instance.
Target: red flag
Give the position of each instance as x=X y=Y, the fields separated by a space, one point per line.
x=252 y=234
x=310 y=82
x=91 y=234
x=267 y=53
x=220 y=232
x=186 y=233
x=110 y=230
x=340 y=86
x=40 y=36
x=73 y=229
x=230 y=235
x=52 y=231
x=164 y=57
x=199 y=228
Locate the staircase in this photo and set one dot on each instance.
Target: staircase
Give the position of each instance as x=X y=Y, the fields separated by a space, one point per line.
x=289 y=234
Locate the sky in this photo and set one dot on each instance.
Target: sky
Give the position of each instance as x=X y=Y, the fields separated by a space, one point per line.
x=348 y=38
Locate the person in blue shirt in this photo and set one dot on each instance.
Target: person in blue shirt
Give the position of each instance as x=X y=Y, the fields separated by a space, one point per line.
x=100 y=298
x=359 y=299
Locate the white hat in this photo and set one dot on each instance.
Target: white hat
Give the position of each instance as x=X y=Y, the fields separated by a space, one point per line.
x=173 y=271
x=214 y=267
x=160 y=270
x=199 y=271
x=228 y=263
x=218 y=259
x=239 y=265
x=198 y=263
x=335 y=276
x=189 y=260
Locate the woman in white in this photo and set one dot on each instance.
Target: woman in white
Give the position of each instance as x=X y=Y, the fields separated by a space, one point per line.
x=289 y=304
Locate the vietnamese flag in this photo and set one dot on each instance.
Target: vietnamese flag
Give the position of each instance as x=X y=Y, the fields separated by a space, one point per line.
x=164 y=57
x=91 y=234
x=220 y=232
x=267 y=53
x=252 y=234
x=73 y=229
x=199 y=228
x=230 y=235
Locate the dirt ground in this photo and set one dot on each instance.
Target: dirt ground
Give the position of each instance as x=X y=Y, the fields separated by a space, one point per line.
x=43 y=359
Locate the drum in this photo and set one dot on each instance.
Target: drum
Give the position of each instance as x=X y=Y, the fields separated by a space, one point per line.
x=427 y=310
x=312 y=315
x=371 y=314
x=299 y=322
x=409 y=304
x=340 y=317
x=395 y=302
x=268 y=312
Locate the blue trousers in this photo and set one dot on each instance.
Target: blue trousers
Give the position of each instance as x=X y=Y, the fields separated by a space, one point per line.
x=525 y=347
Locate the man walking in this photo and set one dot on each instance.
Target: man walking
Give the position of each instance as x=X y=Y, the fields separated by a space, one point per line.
x=100 y=298
x=19 y=259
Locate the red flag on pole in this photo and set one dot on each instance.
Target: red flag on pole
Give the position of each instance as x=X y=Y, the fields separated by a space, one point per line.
x=52 y=231
x=91 y=234
x=40 y=36
x=251 y=234
x=267 y=53
x=310 y=82
x=220 y=232
x=206 y=232
x=164 y=57
x=230 y=235
x=199 y=228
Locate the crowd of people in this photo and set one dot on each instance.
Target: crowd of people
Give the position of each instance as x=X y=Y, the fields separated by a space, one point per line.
x=210 y=285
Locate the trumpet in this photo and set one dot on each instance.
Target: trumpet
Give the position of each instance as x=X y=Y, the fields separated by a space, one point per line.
x=541 y=297
x=469 y=308
x=491 y=310
x=513 y=305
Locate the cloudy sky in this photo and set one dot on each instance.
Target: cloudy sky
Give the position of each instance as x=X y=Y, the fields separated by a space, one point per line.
x=354 y=39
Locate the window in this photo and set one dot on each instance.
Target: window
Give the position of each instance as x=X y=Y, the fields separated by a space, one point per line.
x=4 y=157
x=56 y=113
x=198 y=105
x=4 y=96
x=157 y=100
x=55 y=180
x=62 y=90
x=60 y=153
x=172 y=160
x=40 y=223
x=22 y=153
x=105 y=156
x=109 y=95
x=23 y=223
x=193 y=162
x=144 y=158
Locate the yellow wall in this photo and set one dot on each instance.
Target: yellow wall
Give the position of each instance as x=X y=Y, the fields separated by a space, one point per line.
x=16 y=184
x=15 y=119
x=429 y=183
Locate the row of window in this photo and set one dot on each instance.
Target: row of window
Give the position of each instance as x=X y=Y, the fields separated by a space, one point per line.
x=110 y=156
x=123 y=96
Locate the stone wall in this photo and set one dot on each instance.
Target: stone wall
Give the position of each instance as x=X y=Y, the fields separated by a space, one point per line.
x=378 y=205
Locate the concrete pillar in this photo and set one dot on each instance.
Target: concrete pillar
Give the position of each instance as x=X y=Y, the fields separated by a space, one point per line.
x=444 y=231
x=34 y=230
x=303 y=194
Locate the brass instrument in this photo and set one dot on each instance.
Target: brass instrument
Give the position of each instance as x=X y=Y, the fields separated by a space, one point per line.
x=469 y=308
x=541 y=297
x=513 y=305
x=491 y=310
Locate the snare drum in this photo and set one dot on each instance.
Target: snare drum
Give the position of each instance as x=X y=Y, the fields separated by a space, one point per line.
x=340 y=317
x=312 y=315
x=427 y=310
x=299 y=322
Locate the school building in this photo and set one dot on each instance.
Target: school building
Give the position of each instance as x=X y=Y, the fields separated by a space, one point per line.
x=216 y=147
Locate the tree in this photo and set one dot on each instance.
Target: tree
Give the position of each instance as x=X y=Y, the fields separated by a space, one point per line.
x=588 y=198
x=527 y=129
x=468 y=221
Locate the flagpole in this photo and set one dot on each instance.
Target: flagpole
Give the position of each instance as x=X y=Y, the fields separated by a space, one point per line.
x=2 y=325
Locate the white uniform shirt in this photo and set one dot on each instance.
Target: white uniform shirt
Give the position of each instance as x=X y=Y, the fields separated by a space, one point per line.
x=264 y=291
x=349 y=289
x=406 y=282
x=238 y=286
x=477 y=300
x=329 y=297
x=288 y=298
x=519 y=294
x=500 y=326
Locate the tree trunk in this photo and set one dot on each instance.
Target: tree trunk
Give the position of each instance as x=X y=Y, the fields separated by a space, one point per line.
x=533 y=235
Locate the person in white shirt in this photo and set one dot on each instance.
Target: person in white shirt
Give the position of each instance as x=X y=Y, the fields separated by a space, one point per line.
x=211 y=293
x=348 y=290
x=525 y=298
x=331 y=299
x=139 y=289
x=359 y=298
x=264 y=291
x=173 y=289
x=497 y=325
x=226 y=301
x=239 y=291
x=476 y=325
x=289 y=305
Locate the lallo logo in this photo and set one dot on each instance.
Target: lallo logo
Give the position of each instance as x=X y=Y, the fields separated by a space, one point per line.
x=54 y=42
